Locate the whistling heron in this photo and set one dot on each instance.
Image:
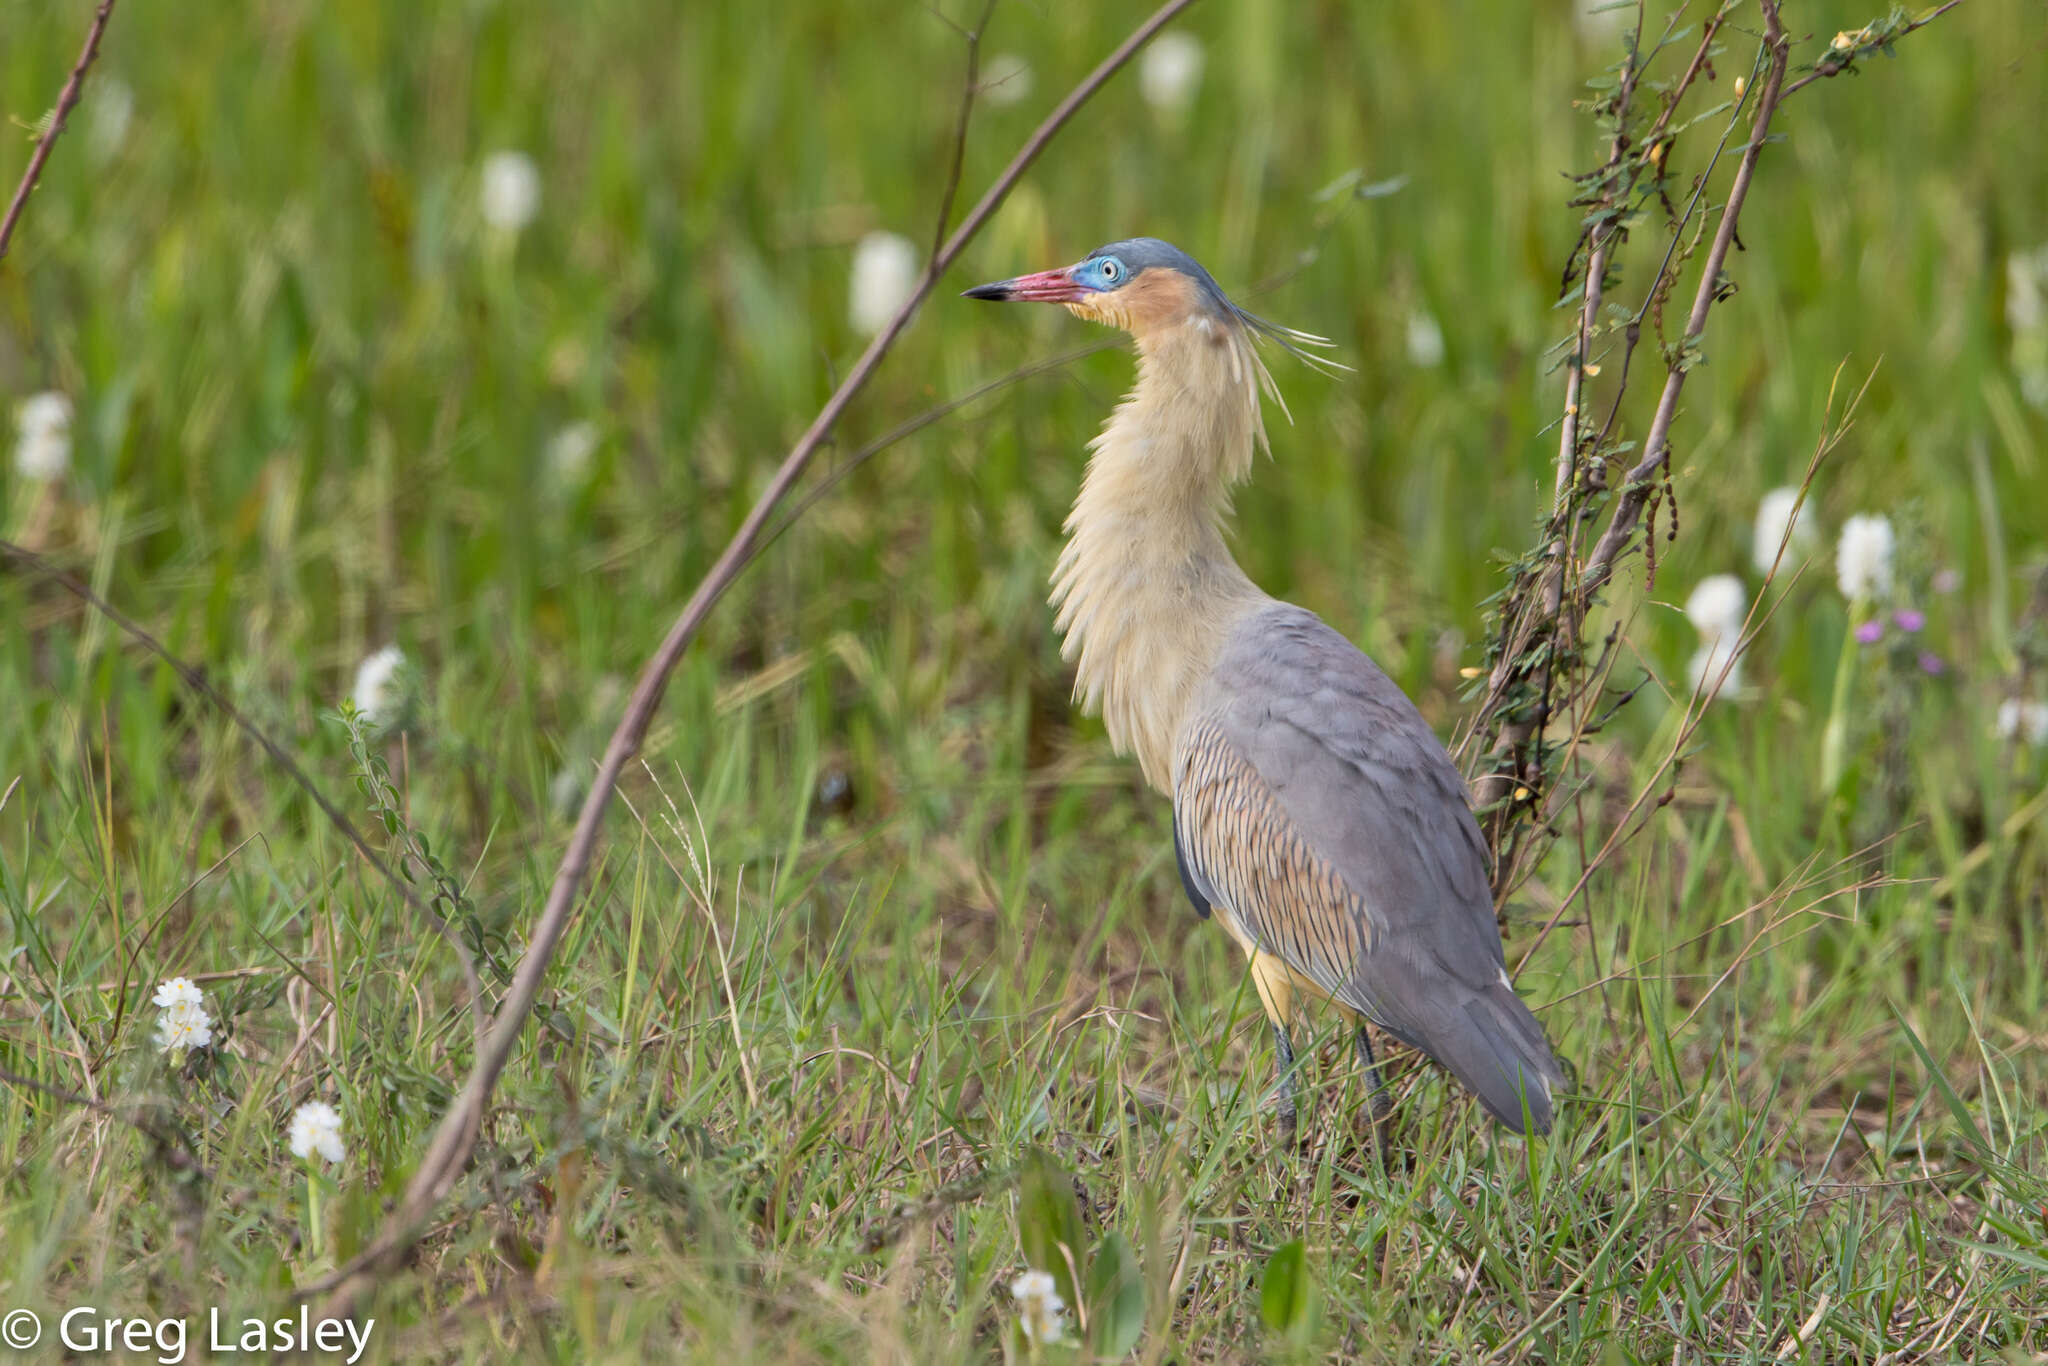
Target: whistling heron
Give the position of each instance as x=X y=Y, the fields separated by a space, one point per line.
x=1314 y=811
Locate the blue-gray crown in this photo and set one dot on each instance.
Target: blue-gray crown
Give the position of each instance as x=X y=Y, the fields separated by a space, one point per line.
x=1140 y=254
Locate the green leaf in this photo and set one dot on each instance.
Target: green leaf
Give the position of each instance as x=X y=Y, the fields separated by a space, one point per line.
x=1288 y=1301
x=1049 y=1223
x=2016 y=1255
x=1972 y=1135
x=1116 y=1297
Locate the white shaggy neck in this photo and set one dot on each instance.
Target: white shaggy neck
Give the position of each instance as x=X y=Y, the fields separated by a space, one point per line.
x=1146 y=591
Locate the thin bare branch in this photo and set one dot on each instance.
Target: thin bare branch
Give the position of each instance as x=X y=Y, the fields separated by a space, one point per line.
x=1656 y=447
x=1550 y=614
x=969 y=88
x=66 y=101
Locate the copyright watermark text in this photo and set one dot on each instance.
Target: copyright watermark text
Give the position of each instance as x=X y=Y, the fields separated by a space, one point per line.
x=88 y=1331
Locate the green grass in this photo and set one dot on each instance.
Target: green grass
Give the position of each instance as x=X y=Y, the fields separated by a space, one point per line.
x=810 y=1077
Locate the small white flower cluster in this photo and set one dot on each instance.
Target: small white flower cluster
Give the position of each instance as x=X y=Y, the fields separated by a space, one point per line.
x=509 y=193
x=1863 y=553
x=1425 y=340
x=316 y=1129
x=1863 y=558
x=1041 y=1313
x=2023 y=721
x=183 y=1024
x=1779 y=523
x=1716 y=609
x=1170 y=72
x=1781 y=539
x=42 y=436
x=377 y=693
x=569 y=451
x=1719 y=603
x=1005 y=79
x=884 y=276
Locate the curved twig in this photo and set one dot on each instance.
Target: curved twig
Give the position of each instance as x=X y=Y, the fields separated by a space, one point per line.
x=66 y=101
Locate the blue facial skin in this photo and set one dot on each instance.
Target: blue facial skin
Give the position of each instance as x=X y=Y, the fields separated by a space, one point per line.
x=1102 y=274
x=1135 y=255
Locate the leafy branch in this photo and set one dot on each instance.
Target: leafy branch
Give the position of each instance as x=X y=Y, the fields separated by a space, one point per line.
x=1544 y=683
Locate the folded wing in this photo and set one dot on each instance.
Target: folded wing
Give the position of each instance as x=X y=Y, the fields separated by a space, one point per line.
x=1316 y=808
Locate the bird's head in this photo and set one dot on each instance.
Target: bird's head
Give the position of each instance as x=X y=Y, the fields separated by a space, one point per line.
x=1139 y=285
x=1145 y=286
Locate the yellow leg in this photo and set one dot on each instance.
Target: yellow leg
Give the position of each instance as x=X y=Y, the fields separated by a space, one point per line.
x=1276 y=987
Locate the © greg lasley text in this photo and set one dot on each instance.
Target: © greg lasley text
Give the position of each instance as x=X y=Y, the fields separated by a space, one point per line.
x=87 y=1329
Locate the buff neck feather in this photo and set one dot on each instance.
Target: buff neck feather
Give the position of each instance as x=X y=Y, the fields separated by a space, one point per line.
x=1146 y=591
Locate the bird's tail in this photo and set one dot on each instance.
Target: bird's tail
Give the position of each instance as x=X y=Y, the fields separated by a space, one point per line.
x=1494 y=1045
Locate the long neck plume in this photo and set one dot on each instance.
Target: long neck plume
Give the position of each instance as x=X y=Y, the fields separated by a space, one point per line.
x=1146 y=591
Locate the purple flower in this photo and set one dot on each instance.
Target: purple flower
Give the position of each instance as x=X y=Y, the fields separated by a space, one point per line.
x=1931 y=664
x=1909 y=619
x=1870 y=632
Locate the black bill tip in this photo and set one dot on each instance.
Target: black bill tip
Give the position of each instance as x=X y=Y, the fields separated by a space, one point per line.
x=999 y=291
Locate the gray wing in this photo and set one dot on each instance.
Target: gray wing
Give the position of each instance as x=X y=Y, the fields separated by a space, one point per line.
x=1313 y=802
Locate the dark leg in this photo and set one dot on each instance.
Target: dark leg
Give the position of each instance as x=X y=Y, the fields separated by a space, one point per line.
x=1285 y=1051
x=1377 y=1098
x=1378 y=1103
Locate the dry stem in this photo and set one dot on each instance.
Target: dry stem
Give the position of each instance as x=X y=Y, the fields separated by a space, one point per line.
x=66 y=100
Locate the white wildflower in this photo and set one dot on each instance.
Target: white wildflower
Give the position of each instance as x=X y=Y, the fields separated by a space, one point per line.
x=1425 y=340
x=569 y=451
x=1780 y=521
x=1006 y=79
x=316 y=1128
x=184 y=1022
x=884 y=276
x=1863 y=557
x=42 y=432
x=1707 y=663
x=178 y=991
x=1171 y=71
x=510 y=194
x=1717 y=606
x=182 y=1029
x=109 y=109
x=2022 y=720
x=377 y=694
x=1716 y=609
x=1040 y=1310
